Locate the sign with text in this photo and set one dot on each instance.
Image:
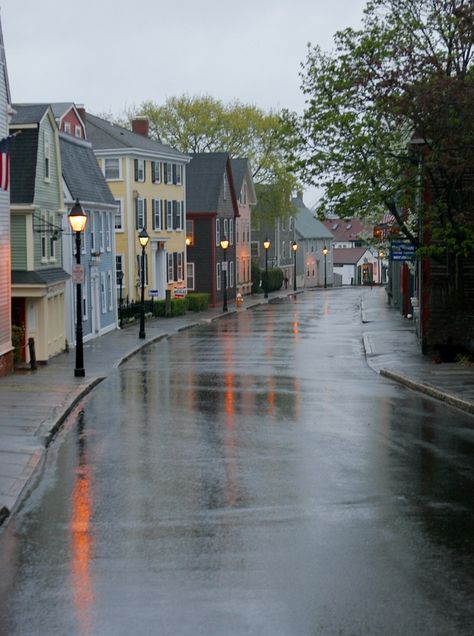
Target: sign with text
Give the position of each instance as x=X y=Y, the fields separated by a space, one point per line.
x=180 y=292
x=153 y=293
x=402 y=251
x=77 y=274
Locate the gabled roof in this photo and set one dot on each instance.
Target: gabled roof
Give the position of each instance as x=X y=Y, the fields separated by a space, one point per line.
x=23 y=158
x=241 y=168
x=106 y=136
x=204 y=177
x=28 y=113
x=345 y=230
x=61 y=108
x=348 y=255
x=306 y=224
x=81 y=171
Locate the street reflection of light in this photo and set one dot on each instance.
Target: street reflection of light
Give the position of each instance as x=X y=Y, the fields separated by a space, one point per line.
x=296 y=330
x=81 y=548
x=271 y=395
x=325 y=306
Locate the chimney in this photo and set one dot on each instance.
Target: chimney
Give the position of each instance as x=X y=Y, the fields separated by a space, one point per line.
x=141 y=125
x=82 y=112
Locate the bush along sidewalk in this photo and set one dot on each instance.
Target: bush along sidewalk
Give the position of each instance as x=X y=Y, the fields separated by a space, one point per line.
x=273 y=281
x=157 y=308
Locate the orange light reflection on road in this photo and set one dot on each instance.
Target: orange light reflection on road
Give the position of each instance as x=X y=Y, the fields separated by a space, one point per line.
x=81 y=548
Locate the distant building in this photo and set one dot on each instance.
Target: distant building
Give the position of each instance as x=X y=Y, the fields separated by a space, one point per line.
x=356 y=265
x=246 y=198
x=349 y=232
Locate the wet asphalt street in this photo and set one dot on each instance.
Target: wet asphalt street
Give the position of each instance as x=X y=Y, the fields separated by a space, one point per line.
x=250 y=477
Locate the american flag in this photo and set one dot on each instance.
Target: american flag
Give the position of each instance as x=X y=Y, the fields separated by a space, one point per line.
x=5 y=162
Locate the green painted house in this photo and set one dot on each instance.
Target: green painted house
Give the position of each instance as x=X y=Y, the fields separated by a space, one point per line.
x=37 y=206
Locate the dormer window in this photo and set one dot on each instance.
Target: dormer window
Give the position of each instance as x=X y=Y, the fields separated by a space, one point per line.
x=67 y=127
x=78 y=132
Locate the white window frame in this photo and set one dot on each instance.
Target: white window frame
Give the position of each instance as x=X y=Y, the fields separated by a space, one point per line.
x=169 y=215
x=101 y=232
x=157 y=216
x=52 y=243
x=140 y=170
x=139 y=267
x=140 y=212
x=78 y=131
x=218 y=276
x=119 y=263
x=119 y=216
x=179 y=174
x=44 y=238
x=231 y=231
x=179 y=266
x=156 y=171
x=110 y=290
x=226 y=229
x=85 y=313
x=119 y=166
x=218 y=232
x=108 y=233
x=231 y=274
x=190 y=276
x=103 y=290
x=67 y=127
x=179 y=216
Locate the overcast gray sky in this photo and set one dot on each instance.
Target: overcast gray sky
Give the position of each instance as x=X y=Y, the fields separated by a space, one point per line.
x=113 y=54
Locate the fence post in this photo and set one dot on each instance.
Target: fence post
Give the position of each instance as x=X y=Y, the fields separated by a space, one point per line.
x=31 y=348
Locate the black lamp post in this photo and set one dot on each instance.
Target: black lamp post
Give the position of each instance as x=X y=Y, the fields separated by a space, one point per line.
x=266 y=245
x=294 y=247
x=120 y=280
x=143 y=238
x=224 y=245
x=381 y=255
x=325 y=254
x=78 y=219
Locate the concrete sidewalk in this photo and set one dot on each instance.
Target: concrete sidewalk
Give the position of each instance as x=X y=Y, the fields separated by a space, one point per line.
x=34 y=405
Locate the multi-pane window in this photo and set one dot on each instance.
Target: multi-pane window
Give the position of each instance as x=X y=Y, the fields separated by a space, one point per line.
x=85 y=315
x=179 y=215
x=103 y=306
x=139 y=269
x=119 y=266
x=169 y=215
x=218 y=231
x=156 y=169
x=110 y=290
x=190 y=276
x=231 y=231
x=118 y=219
x=218 y=275
x=179 y=266
x=44 y=237
x=231 y=274
x=108 y=237
x=139 y=169
x=112 y=168
x=101 y=231
x=170 y=268
x=157 y=215
x=140 y=213
x=67 y=127
x=226 y=228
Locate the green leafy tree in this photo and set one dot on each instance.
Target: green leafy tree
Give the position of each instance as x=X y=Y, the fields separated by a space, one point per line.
x=205 y=124
x=386 y=127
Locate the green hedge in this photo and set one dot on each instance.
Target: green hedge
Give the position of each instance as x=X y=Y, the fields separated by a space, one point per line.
x=17 y=341
x=197 y=302
x=275 y=279
x=178 y=307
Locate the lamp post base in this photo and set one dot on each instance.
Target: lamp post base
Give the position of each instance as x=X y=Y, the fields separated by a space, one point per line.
x=79 y=373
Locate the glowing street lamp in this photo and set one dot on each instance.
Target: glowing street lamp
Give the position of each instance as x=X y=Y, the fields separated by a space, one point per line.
x=143 y=239
x=78 y=219
x=294 y=247
x=224 y=246
x=325 y=254
x=266 y=245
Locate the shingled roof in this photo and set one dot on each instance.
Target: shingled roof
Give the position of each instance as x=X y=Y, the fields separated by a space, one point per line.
x=23 y=156
x=204 y=177
x=348 y=255
x=106 y=136
x=306 y=224
x=81 y=171
x=348 y=230
x=28 y=113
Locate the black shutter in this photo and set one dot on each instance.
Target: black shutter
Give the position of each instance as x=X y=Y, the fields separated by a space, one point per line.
x=136 y=214
x=153 y=172
x=174 y=174
x=144 y=213
x=175 y=266
x=165 y=173
x=165 y=214
x=136 y=169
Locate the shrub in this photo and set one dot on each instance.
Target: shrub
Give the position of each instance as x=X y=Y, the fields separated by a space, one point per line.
x=275 y=279
x=198 y=302
x=18 y=334
x=256 y=278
